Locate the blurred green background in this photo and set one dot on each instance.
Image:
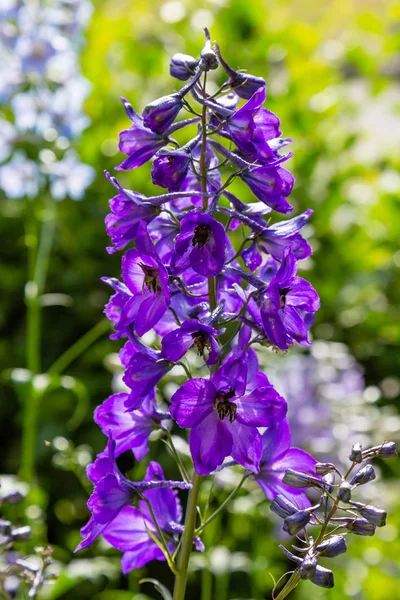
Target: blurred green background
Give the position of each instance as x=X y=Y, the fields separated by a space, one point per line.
x=333 y=77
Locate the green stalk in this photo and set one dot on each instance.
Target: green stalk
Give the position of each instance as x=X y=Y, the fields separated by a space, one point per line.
x=187 y=539
x=38 y=263
x=290 y=586
x=79 y=347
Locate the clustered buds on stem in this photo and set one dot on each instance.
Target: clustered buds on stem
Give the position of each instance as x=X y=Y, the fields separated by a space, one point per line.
x=329 y=530
x=185 y=280
x=17 y=573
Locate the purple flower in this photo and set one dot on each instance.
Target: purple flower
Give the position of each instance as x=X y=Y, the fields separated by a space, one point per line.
x=139 y=142
x=275 y=238
x=277 y=456
x=192 y=333
x=128 y=209
x=271 y=185
x=224 y=421
x=270 y=182
x=147 y=281
x=250 y=127
x=129 y=429
x=200 y=245
x=113 y=492
x=144 y=369
x=286 y=305
x=171 y=166
x=129 y=531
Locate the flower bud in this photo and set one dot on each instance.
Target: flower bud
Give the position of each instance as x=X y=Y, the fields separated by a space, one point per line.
x=182 y=66
x=329 y=480
x=324 y=578
x=361 y=527
x=169 y=169
x=283 y=507
x=385 y=450
x=356 y=453
x=364 y=475
x=372 y=514
x=297 y=479
x=21 y=533
x=208 y=58
x=5 y=527
x=308 y=567
x=324 y=468
x=245 y=84
x=333 y=546
x=344 y=492
x=296 y=522
x=161 y=113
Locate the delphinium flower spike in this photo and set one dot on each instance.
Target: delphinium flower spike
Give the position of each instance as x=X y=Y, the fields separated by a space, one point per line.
x=182 y=277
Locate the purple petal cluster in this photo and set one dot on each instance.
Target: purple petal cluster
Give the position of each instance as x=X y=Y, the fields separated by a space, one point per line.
x=182 y=276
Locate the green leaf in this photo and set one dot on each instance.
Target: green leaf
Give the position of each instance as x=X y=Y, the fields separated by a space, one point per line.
x=159 y=587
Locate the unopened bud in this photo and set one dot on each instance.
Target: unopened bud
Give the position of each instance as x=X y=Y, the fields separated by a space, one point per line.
x=386 y=450
x=344 y=491
x=324 y=578
x=296 y=522
x=361 y=527
x=182 y=66
x=356 y=453
x=297 y=479
x=21 y=533
x=245 y=84
x=283 y=507
x=5 y=527
x=329 y=480
x=364 y=475
x=324 y=468
x=374 y=515
x=333 y=546
x=161 y=113
x=308 y=568
x=208 y=58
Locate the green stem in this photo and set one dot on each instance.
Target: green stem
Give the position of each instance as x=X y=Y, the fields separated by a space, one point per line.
x=187 y=539
x=222 y=506
x=37 y=266
x=79 y=347
x=290 y=586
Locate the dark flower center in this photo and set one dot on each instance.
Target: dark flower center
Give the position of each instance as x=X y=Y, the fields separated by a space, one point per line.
x=282 y=294
x=224 y=407
x=151 y=278
x=201 y=235
x=202 y=342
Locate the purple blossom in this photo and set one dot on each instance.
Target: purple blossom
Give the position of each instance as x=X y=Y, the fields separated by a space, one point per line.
x=223 y=420
x=144 y=369
x=192 y=333
x=147 y=281
x=129 y=429
x=286 y=305
x=200 y=245
x=277 y=456
x=138 y=142
x=250 y=127
x=275 y=238
x=112 y=493
x=129 y=531
x=128 y=209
